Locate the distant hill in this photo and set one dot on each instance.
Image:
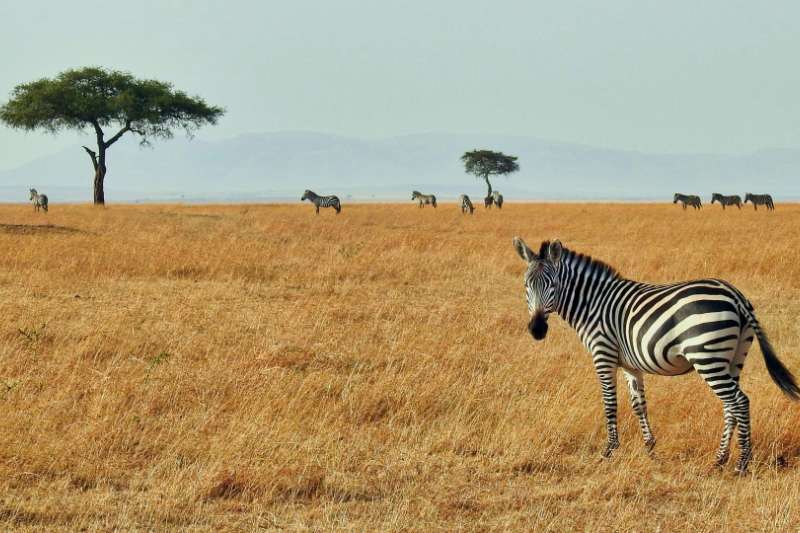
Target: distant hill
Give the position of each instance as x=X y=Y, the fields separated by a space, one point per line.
x=278 y=166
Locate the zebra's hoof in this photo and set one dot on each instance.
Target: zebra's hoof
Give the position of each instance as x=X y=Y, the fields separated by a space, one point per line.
x=649 y=445
x=609 y=451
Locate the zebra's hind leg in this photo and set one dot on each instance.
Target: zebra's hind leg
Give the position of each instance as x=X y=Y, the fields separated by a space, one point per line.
x=716 y=371
x=639 y=404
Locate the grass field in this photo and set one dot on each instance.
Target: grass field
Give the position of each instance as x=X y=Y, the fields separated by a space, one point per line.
x=240 y=367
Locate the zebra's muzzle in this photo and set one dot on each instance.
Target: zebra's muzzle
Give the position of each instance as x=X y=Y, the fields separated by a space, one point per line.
x=538 y=326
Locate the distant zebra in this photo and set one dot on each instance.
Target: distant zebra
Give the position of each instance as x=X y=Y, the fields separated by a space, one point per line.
x=322 y=201
x=466 y=204
x=734 y=199
x=705 y=325
x=423 y=199
x=760 y=199
x=497 y=198
x=39 y=200
x=488 y=201
x=687 y=199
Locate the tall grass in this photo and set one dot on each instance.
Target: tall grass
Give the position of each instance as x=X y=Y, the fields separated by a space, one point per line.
x=234 y=367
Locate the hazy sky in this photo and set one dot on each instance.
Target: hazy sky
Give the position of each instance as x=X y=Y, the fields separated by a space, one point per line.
x=712 y=76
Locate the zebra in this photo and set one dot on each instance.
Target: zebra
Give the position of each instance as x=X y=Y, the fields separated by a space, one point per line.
x=322 y=201
x=488 y=201
x=727 y=200
x=687 y=199
x=466 y=204
x=39 y=200
x=760 y=199
x=423 y=199
x=705 y=325
x=497 y=198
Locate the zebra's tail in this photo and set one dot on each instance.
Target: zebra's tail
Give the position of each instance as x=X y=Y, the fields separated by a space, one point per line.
x=781 y=375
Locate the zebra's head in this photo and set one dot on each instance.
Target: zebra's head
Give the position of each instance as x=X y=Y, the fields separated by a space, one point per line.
x=33 y=194
x=716 y=197
x=306 y=195
x=748 y=197
x=675 y=198
x=541 y=282
x=414 y=194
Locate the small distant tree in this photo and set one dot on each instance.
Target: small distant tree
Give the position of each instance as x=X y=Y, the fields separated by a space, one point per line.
x=95 y=99
x=485 y=163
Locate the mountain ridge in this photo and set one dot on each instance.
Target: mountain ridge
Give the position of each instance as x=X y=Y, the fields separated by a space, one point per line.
x=273 y=165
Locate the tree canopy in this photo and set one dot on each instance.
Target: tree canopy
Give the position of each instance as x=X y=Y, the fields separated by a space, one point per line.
x=485 y=163
x=95 y=98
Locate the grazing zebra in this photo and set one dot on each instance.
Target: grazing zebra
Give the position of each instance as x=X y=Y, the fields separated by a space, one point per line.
x=466 y=204
x=705 y=325
x=488 y=201
x=760 y=199
x=734 y=199
x=322 y=201
x=498 y=199
x=39 y=200
x=423 y=199
x=687 y=199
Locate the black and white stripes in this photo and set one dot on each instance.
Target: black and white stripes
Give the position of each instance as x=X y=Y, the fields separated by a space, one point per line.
x=724 y=201
x=39 y=200
x=705 y=325
x=322 y=201
x=466 y=204
x=423 y=199
x=760 y=199
x=687 y=199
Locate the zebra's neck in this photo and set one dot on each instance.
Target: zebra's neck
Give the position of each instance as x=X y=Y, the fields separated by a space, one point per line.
x=583 y=282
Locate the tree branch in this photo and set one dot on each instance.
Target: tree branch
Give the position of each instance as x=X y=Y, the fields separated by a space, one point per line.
x=93 y=155
x=119 y=134
x=98 y=130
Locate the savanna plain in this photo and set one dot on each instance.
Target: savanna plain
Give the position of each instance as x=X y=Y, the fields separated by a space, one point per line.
x=256 y=366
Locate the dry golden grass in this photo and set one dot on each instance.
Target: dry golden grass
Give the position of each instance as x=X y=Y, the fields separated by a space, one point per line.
x=235 y=367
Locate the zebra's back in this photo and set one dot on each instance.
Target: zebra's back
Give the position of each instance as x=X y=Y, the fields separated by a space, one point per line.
x=659 y=329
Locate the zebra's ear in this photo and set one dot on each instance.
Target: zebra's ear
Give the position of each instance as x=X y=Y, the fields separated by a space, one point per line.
x=524 y=252
x=554 y=252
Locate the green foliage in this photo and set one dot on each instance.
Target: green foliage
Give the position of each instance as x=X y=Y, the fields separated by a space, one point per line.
x=96 y=97
x=485 y=163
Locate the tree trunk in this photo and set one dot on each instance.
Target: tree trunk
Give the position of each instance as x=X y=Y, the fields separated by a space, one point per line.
x=489 y=185
x=99 y=177
x=99 y=193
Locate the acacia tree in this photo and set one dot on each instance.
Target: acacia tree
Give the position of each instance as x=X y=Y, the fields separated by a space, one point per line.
x=95 y=99
x=485 y=163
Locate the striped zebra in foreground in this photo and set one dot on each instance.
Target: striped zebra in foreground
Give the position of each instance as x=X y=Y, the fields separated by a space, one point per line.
x=39 y=200
x=322 y=201
x=734 y=199
x=497 y=198
x=759 y=199
x=705 y=325
x=687 y=199
x=423 y=199
x=466 y=204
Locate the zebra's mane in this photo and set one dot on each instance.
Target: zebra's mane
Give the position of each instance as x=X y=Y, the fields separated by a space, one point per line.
x=577 y=258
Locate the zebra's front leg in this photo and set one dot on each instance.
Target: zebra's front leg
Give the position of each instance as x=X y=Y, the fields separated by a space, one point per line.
x=635 y=381
x=608 y=383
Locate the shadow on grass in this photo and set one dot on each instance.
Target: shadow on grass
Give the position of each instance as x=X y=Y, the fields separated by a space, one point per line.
x=37 y=229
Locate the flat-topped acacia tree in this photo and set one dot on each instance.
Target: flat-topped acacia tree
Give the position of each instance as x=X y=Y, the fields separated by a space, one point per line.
x=485 y=163
x=96 y=99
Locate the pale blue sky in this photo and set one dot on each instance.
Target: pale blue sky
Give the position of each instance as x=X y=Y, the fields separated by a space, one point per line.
x=681 y=76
